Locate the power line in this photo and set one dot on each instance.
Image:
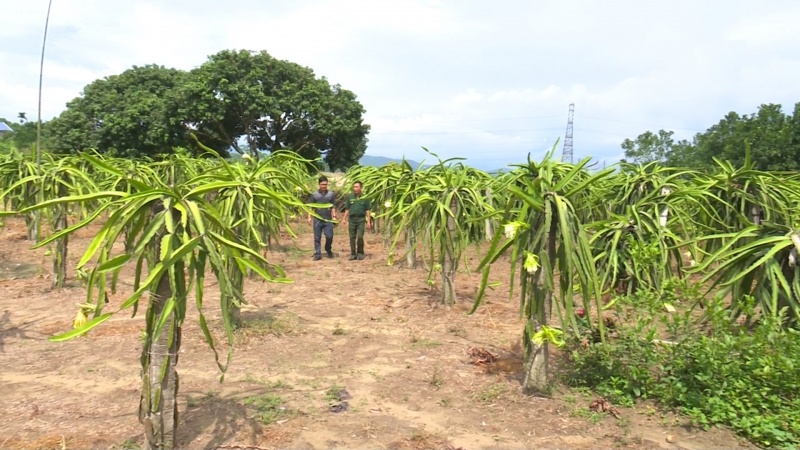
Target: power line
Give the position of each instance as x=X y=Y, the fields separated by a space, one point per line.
x=499 y=119
x=637 y=123
x=516 y=130
x=520 y=130
x=507 y=118
x=425 y=133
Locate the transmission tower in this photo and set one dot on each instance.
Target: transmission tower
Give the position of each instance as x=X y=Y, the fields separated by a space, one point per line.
x=567 y=155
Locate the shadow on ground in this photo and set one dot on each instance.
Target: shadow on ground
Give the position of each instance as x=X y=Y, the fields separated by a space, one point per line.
x=221 y=417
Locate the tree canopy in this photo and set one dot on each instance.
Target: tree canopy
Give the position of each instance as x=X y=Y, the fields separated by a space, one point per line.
x=773 y=137
x=241 y=101
x=122 y=115
x=23 y=136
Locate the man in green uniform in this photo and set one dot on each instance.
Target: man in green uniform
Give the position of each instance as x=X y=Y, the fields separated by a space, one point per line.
x=356 y=214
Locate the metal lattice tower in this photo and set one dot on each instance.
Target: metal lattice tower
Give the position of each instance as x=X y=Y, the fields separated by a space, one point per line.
x=567 y=155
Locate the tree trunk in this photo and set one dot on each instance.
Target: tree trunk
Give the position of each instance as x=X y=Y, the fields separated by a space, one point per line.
x=664 y=216
x=411 y=249
x=129 y=245
x=376 y=225
x=60 y=258
x=755 y=214
x=387 y=234
x=537 y=359
x=158 y=408
x=267 y=238
x=32 y=225
x=450 y=260
x=237 y=279
x=32 y=219
x=536 y=362
x=489 y=223
x=253 y=148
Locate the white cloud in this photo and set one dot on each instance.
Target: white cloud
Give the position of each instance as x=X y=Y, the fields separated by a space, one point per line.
x=463 y=79
x=526 y=95
x=772 y=28
x=471 y=96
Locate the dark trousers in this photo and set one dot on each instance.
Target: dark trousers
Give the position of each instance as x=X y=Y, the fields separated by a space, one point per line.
x=321 y=227
x=356 y=228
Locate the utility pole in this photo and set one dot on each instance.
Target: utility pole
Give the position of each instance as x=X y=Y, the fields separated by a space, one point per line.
x=566 y=156
x=37 y=216
x=41 y=72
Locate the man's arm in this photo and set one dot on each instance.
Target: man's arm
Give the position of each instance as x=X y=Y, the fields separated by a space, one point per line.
x=309 y=199
x=346 y=211
x=369 y=217
x=333 y=206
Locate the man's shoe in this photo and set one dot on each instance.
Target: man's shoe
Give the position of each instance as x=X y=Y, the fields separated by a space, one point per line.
x=352 y=258
x=361 y=257
x=330 y=254
x=317 y=257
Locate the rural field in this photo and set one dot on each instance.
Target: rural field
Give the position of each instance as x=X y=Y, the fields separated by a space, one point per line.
x=550 y=306
x=160 y=287
x=360 y=326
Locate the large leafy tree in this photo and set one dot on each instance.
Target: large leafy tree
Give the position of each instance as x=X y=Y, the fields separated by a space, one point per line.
x=648 y=147
x=23 y=136
x=240 y=98
x=122 y=115
x=768 y=132
x=772 y=135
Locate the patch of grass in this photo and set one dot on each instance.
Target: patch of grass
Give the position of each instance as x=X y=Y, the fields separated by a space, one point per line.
x=445 y=402
x=293 y=251
x=268 y=408
x=491 y=393
x=275 y=384
x=422 y=342
x=586 y=413
x=332 y=393
x=130 y=444
x=338 y=330
x=436 y=378
x=457 y=330
x=314 y=383
x=421 y=439
x=716 y=371
x=283 y=325
x=626 y=438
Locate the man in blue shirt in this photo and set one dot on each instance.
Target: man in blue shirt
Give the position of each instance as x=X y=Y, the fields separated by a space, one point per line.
x=328 y=215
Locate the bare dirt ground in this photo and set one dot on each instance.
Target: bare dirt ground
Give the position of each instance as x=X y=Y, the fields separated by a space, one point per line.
x=359 y=326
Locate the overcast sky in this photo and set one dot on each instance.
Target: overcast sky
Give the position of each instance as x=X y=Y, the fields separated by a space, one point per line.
x=489 y=81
